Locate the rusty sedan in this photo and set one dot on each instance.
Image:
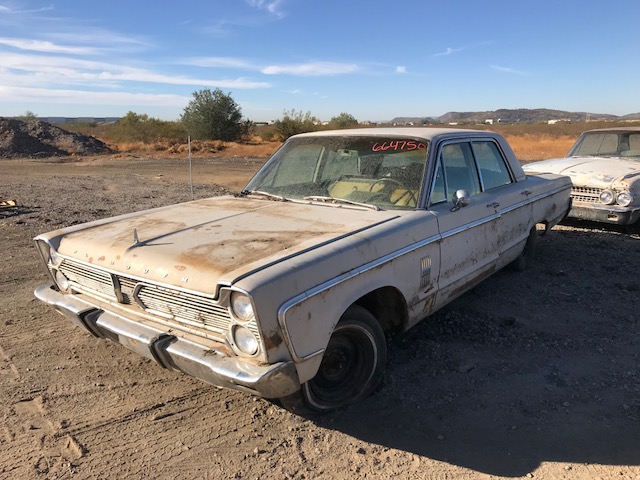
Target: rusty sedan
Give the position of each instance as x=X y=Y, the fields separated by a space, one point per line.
x=288 y=289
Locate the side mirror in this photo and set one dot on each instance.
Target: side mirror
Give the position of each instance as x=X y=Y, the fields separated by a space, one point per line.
x=460 y=199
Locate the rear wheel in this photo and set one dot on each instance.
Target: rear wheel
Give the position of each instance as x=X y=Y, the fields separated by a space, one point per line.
x=352 y=366
x=525 y=260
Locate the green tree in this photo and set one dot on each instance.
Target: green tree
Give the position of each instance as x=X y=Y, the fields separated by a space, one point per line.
x=293 y=122
x=344 y=120
x=213 y=115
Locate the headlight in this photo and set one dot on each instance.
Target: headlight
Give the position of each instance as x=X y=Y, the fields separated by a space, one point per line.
x=624 y=199
x=245 y=340
x=241 y=306
x=607 y=197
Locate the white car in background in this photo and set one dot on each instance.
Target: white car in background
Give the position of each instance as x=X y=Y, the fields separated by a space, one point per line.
x=604 y=167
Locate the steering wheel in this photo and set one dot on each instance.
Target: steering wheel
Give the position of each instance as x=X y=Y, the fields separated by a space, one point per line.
x=398 y=186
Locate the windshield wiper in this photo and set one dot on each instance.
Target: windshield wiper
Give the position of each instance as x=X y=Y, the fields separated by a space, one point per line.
x=322 y=198
x=260 y=193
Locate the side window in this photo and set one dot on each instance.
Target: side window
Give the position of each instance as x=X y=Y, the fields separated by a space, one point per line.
x=460 y=170
x=493 y=169
x=438 y=193
x=634 y=142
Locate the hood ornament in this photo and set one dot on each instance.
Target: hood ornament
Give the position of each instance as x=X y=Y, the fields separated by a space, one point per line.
x=136 y=240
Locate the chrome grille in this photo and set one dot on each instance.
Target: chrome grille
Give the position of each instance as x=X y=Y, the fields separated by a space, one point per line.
x=92 y=279
x=183 y=307
x=586 y=194
x=127 y=286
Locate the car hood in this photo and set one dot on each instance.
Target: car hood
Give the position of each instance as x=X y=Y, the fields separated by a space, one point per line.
x=195 y=245
x=597 y=172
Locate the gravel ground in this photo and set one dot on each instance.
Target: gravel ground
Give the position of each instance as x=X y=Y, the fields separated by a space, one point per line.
x=531 y=374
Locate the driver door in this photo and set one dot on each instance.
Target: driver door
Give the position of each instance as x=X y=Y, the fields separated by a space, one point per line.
x=468 y=233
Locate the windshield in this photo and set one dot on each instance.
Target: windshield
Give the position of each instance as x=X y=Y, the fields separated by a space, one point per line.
x=371 y=171
x=607 y=144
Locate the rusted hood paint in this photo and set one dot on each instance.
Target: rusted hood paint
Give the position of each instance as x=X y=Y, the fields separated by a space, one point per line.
x=197 y=244
x=597 y=172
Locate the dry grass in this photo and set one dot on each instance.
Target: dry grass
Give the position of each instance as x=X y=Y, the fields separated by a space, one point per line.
x=529 y=142
x=527 y=147
x=530 y=147
x=211 y=148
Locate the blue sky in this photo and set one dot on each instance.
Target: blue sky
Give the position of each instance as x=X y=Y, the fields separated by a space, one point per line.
x=374 y=60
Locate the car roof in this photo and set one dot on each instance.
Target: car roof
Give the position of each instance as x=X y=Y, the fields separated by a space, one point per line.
x=614 y=129
x=426 y=133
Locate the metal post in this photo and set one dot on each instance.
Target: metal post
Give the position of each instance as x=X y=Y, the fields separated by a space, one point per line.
x=190 y=168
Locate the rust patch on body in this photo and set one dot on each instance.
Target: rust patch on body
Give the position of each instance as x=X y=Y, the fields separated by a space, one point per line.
x=272 y=341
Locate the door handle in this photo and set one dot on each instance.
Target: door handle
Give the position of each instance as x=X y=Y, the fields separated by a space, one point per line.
x=493 y=205
x=526 y=192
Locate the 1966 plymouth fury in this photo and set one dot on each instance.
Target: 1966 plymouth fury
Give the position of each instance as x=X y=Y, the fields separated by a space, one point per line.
x=287 y=289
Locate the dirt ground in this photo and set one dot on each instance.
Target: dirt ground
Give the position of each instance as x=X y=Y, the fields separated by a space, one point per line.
x=531 y=374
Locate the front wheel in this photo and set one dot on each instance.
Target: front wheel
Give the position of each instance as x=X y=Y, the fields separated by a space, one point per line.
x=352 y=366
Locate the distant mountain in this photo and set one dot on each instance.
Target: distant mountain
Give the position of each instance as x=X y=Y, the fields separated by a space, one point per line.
x=523 y=115
x=412 y=120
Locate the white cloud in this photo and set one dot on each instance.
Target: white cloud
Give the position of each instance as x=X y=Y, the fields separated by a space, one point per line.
x=451 y=51
x=219 y=62
x=68 y=70
x=313 y=69
x=67 y=97
x=102 y=39
x=401 y=69
x=271 y=6
x=448 y=51
x=509 y=70
x=44 y=46
x=8 y=10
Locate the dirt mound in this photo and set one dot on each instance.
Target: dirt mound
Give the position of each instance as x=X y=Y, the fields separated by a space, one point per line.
x=42 y=139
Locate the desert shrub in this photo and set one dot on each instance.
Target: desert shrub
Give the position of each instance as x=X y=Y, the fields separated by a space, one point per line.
x=142 y=128
x=293 y=122
x=267 y=133
x=344 y=120
x=28 y=116
x=214 y=115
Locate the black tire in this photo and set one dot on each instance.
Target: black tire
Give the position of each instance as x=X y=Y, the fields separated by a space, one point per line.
x=351 y=369
x=525 y=260
x=633 y=228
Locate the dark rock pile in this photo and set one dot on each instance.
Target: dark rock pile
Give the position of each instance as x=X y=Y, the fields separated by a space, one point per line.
x=35 y=139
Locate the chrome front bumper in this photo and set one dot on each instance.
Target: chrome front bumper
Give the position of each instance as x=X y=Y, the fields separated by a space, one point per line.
x=605 y=213
x=173 y=352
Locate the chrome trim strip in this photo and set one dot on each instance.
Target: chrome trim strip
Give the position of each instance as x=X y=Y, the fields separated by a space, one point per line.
x=468 y=226
x=285 y=307
x=533 y=199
